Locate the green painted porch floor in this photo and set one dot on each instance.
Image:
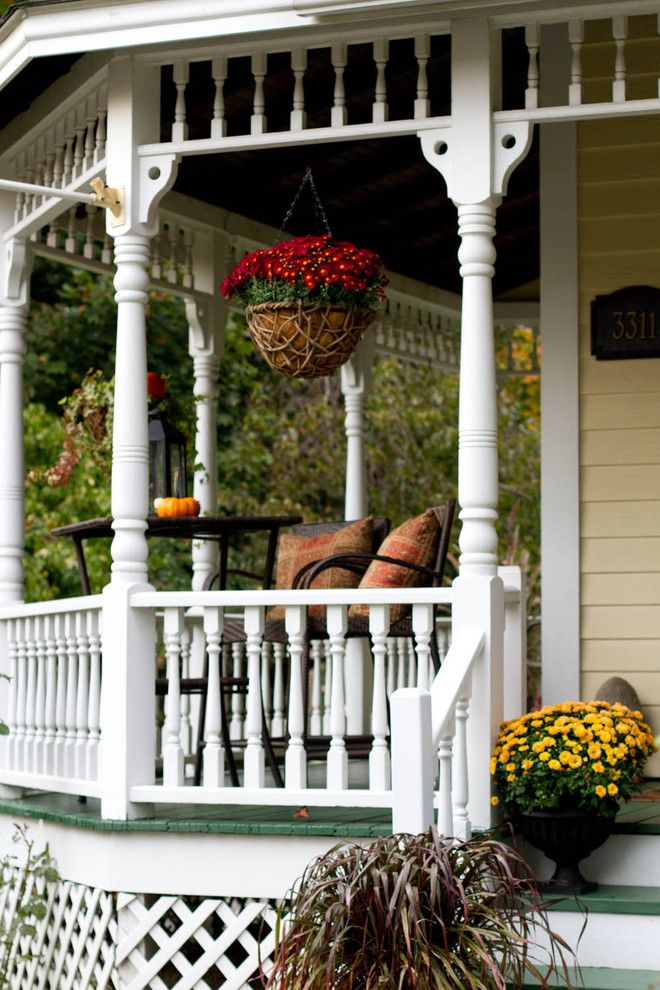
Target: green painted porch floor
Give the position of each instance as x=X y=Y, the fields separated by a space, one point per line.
x=232 y=819
x=636 y=818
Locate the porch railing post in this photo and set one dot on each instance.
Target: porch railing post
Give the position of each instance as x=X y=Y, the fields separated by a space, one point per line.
x=412 y=747
x=515 y=643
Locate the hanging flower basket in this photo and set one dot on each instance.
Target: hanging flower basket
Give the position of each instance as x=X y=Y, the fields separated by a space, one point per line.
x=308 y=301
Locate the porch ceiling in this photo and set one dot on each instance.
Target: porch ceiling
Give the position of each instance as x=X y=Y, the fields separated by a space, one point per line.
x=380 y=193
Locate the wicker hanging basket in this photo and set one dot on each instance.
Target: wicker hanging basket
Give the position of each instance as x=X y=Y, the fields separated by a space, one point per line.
x=306 y=340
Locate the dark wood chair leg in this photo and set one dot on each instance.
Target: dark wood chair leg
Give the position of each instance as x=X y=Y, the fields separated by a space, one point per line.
x=226 y=741
x=200 y=724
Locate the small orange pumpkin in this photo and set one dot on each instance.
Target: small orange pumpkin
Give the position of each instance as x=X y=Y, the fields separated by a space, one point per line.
x=171 y=507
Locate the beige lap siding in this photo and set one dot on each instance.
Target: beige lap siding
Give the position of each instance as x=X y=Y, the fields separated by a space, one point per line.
x=619 y=244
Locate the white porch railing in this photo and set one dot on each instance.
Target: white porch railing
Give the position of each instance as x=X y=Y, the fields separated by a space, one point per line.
x=59 y=708
x=54 y=696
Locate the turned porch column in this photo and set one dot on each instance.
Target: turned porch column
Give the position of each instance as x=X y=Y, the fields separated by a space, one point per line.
x=130 y=443
x=476 y=156
x=12 y=480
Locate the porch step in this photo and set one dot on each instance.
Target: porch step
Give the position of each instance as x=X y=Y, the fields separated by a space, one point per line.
x=614 y=929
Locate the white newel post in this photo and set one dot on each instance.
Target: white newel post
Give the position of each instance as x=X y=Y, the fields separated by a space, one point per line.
x=15 y=267
x=476 y=157
x=355 y=375
x=128 y=737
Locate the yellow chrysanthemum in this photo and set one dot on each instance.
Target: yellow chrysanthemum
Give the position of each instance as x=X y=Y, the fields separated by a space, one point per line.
x=510 y=767
x=493 y=765
x=600 y=791
x=554 y=765
x=598 y=767
x=564 y=756
x=527 y=764
x=612 y=789
x=495 y=800
x=544 y=757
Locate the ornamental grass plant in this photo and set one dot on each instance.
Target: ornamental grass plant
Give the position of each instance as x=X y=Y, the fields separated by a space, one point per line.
x=575 y=756
x=314 y=269
x=415 y=912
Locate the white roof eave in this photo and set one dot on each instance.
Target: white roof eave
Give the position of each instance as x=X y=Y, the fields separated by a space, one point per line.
x=106 y=25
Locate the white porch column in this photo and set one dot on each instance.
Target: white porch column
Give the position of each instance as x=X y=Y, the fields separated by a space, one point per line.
x=205 y=482
x=130 y=444
x=13 y=318
x=476 y=157
x=355 y=375
x=128 y=732
x=15 y=267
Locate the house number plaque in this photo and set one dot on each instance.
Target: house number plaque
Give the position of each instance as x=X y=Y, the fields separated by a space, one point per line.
x=626 y=323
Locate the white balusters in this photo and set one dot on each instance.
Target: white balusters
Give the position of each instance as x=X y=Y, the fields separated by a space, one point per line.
x=88 y=249
x=576 y=37
x=316 y=715
x=401 y=653
x=156 y=266
x=40 y=697
x=422 y=619
x=94 y=709
x=462 y=825
x=254 y=766
x=82 y=699
x=31 y=696
x=532 y=42
x=390 y=645
x=619 y=33
x=219 y=72
x=258 y=119
x=180 y=127
x=58 y=161
x=60 y=698
x=327 y=686
x=214 y=757
x=278 y=724
x=379 y=112
x=8 y=759
x=48 y=766
x=102 y=113
x=298 y=65
x=379 y=758
x=296 y=759
x=422 y=52
x=185 y=732
x=445 y=810
x=21 y=628
x=266 y=690
x=339 y=113
x=71 y=695
x=173 y=753
x=237 y=712
x=337 y=766
x=70 y=242
x=90 y=142
x=79 y=146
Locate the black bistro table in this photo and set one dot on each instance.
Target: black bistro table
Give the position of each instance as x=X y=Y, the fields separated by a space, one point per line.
x=219 y=529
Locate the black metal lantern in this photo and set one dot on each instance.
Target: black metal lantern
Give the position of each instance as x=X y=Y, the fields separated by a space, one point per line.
x=167 y=458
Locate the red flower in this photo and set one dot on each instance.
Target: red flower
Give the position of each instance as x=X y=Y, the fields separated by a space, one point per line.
x=156 y=387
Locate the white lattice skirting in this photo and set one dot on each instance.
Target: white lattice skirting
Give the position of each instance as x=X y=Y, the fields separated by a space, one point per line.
x=93 y=940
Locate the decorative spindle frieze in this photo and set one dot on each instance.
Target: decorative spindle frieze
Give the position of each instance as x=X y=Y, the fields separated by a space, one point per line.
x=380 y=110
x=258 y=119
x=532 y=42
x=422 y=53
x=219 y=72
x=298 y=66
x=339 y=112
x=316 y=715
x=576 y=38
x=619 y=34
x=180 y=126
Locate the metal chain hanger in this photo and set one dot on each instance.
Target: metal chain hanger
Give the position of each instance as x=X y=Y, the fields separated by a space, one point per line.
x=319 y=212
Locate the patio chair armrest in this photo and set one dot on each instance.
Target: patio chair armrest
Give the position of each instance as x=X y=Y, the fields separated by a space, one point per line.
x=350 y=560
x=344 y=561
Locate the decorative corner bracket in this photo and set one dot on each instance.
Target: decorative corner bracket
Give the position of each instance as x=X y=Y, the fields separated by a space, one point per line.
x=157 y=175
x=109 y=198
x=17 y=265
x=509 y=146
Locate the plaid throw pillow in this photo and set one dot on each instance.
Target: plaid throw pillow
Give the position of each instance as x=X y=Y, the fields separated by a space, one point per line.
x=414 y=541
x=295 y=551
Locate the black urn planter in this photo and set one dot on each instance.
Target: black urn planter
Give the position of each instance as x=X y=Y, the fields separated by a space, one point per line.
x=567 y=837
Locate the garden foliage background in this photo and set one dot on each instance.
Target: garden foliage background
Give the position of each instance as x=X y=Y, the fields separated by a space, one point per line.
x=281 y=443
